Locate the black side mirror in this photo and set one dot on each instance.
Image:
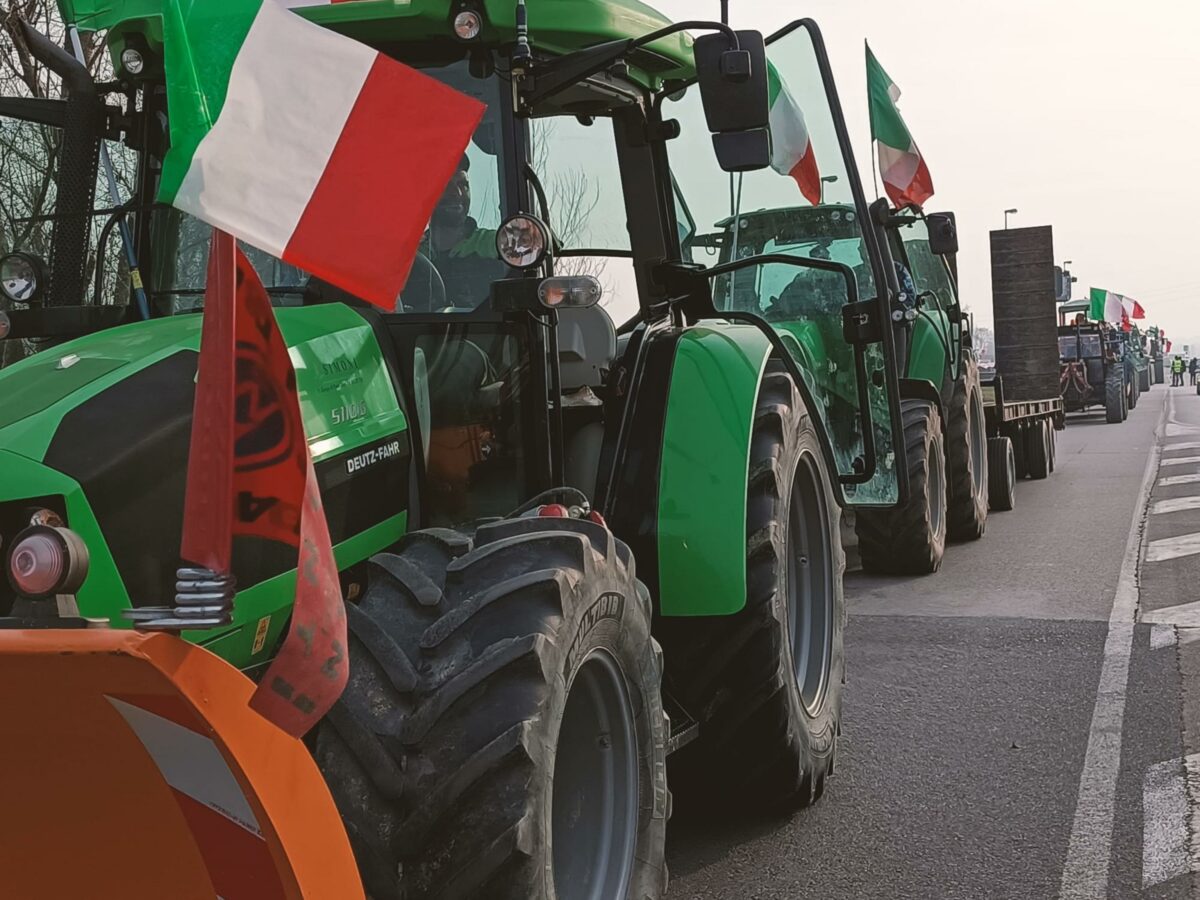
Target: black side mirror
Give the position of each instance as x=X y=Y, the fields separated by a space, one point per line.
x=943 y=233
x=733 y=86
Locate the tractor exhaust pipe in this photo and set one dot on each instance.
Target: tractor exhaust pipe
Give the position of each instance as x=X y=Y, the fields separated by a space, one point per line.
x=77 y=170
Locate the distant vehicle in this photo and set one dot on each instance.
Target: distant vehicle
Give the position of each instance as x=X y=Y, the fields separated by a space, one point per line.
x=1093 y=370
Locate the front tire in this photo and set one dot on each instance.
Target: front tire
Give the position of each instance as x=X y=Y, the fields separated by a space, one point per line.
x=502 y=734
x=966 y=457
x=766 y=683
x=911 y=540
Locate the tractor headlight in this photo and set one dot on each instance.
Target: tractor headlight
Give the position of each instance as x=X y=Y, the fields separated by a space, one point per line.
x=21 y=277
x=467 y=25
x=132 y=61
x=45 y=560
x=522 y=241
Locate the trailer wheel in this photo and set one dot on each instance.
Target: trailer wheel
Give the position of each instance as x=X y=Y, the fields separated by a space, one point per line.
x=1144 y=379
x=1016 y=437
x=1134 y=390
x=502 y=734
x=1114 y=396
x=1002 y=474
x=766 y=683
x=966 y=457
x=1051 y=443
x=1037 y=450
x=911 y=539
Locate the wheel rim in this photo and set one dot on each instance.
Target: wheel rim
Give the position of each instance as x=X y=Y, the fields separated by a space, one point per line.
x=1011 y=462
x=977 y=438
x=595 y=790
x=935 y=489
x=810 y=586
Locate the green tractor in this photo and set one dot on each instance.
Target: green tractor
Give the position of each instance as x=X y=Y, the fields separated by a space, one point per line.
x=941 y=398
x=568 y=547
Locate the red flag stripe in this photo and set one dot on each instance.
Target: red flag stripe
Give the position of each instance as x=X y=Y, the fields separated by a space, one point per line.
x=807 y=176
x=358 y=230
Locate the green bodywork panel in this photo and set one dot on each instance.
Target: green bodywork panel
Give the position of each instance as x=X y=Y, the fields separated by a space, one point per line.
x=927 y=349
x=339 y=368
x=556 y=26
x=704 y=469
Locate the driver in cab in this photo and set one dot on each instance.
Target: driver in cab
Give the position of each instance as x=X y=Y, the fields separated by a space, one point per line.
x=463 y=255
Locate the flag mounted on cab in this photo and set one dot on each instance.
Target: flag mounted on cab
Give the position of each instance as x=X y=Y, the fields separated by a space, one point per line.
x=905 y=176
x=791 y=145
x=304 y=143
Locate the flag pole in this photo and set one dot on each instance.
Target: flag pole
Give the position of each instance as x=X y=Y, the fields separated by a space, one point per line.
x=874 y=154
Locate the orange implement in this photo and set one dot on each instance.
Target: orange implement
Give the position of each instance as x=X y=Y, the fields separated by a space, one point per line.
x=131 y=766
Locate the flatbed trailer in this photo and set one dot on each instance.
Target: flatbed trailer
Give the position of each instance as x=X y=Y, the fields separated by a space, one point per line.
x=1021 y=439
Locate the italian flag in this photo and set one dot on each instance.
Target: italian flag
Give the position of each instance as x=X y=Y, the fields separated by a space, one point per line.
x=306 y=144
x=1108 y=306
x=905 y=175
x=791 y=147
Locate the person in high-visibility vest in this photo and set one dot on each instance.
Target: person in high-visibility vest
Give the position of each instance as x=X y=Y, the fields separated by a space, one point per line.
x=1177 y=372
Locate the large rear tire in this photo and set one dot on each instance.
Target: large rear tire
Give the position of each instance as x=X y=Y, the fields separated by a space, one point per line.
x=1134 y=389
x=766 y=682
x=1114 y=396
x=502 y=735
x=1002 y=474
x=1144 y=379
x=911 y=539
x=966 y=457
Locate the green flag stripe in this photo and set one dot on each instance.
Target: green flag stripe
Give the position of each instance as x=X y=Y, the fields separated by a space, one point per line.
x=887 y=126
x=774 y=85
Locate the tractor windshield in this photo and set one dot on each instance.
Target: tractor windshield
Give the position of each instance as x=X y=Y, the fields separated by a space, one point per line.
x=457 y=256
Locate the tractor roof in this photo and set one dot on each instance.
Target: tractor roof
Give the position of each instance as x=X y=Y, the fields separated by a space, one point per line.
x=555 y=26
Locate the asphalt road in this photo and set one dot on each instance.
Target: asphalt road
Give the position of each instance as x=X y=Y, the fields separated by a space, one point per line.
x=1019 y=724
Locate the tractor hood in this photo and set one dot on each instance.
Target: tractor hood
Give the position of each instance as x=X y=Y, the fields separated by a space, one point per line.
x=99 y=429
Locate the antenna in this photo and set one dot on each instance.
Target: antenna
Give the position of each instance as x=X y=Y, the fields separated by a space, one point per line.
x=724 y=12
x=522 y=51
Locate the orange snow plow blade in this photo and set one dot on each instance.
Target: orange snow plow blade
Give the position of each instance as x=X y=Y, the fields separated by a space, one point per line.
x=131 y=766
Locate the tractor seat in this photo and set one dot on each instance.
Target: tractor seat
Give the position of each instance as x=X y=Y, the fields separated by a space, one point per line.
x=587 y=346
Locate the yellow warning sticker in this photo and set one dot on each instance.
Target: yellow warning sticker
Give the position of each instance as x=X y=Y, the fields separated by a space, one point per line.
x=260 y=634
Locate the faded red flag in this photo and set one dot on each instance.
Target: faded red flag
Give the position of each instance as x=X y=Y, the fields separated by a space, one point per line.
x=250 y=463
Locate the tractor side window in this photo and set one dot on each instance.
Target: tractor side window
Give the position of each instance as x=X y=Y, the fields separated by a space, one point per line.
x=930 y=273
x=802 y=206
x=575 y=160
x=1068 y=347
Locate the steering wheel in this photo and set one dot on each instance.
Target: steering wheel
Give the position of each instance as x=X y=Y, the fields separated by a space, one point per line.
x=425 y=290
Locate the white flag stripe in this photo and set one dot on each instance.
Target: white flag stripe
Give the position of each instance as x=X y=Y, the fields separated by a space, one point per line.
x=291 y=91
x=190 y=763
x=897 y=167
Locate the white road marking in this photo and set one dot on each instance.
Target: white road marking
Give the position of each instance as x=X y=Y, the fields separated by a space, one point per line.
x=1191 y=765
x=1181 y=445
x=1178 y=479
x=1175 y=504
x=1181 y=460
x=1177 y=430
x=1161 y=635
x=1173 y=548
x=1085 y=873
x=1184 y=615
x=1166 y=851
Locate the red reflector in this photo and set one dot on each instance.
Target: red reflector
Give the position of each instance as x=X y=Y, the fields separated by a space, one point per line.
x=554 y=511
x=594 y=516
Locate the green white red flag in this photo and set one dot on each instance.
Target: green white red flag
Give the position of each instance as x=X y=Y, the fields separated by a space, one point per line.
x=304 y=143
x=1109 y=306
x=791 y=145
x=905 y=176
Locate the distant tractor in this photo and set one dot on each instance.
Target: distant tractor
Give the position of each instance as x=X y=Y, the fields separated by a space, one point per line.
x=1094 y=370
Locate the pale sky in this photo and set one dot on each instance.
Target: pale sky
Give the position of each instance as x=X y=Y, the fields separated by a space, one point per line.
x=1082 y=114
